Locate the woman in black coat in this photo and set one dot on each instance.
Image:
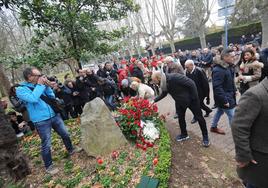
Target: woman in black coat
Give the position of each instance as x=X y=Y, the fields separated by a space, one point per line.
x=137 y=72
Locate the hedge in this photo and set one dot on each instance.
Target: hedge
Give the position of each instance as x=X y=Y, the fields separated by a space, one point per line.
x=215 y=39
x=162 y=170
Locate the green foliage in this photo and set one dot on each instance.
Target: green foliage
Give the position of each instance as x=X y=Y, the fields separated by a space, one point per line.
x=244 y=13
x=106 y=181
x=70 y=183
x=237 y=31
x=1 y=182
x=74 y=23
x=68 y=167
x=47 y=178
x=13 y=185
x=194 y=14
x=162 y=169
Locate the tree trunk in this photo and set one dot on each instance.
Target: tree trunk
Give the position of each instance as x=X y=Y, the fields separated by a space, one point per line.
x=4 y=81
x=70 y=64
x=264 y=23
x=202 y=37
x=152 y=46
x=12 y=76
x=138 y=51
x=172 y=46
x=13 y=165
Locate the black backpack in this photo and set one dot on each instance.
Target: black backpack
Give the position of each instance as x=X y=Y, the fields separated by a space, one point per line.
x=18 y=105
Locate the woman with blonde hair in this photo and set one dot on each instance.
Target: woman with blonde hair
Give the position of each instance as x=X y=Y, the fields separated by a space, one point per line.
x=143 y=90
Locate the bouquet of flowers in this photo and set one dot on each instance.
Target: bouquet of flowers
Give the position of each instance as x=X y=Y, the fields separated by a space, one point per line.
x=138 y=119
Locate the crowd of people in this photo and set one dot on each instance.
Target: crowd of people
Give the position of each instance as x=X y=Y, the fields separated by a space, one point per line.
x=184 y=75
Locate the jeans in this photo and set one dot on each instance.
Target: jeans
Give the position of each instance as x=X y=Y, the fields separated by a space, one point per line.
x=196 y=110
x=109 y=100
x=44 y=131
x=219 y=113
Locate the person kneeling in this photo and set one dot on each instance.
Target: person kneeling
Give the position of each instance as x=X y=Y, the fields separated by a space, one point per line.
x=19 y=125
x=143 y=91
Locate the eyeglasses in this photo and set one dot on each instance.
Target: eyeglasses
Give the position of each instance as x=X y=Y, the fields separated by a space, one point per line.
x=37 y=75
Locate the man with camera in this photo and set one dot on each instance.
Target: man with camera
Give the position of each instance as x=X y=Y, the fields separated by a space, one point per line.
x=38 y=96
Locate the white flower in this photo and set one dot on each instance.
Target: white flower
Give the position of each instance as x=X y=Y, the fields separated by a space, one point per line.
x=149 y=131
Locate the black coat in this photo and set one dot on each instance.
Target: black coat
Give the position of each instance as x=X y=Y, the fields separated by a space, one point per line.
x=66 y=95
x=201 y=82
x=137 y=72
x=182 y=59
x=107 y=88
x=181 y=88
x=111 y=73
x=75 y=99
x=101 y=73
x=83 y=89
x=92 y=82
x=264 y=60
x=15 y=125
x=223 y=85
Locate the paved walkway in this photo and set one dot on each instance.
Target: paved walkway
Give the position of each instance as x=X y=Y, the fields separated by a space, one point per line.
x=223 y=142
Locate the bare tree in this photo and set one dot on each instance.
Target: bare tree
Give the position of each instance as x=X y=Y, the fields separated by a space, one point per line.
x=165 y=14
x=195 y=14
x=262 y=6
x=145 y=22
x=244 y=12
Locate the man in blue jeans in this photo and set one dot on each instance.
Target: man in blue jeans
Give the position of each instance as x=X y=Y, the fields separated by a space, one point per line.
x=224 y=89
x=42 y=115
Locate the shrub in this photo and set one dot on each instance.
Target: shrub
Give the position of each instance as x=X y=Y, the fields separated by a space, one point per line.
x=162 y=169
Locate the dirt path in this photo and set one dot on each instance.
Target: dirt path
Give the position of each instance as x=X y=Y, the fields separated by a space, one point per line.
x=196 y=166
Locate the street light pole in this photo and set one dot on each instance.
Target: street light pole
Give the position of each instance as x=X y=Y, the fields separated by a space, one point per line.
x=226 y=24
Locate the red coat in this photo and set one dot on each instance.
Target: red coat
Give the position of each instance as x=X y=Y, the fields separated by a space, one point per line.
x=131 y=68
x=122 y=74
x=154 y=63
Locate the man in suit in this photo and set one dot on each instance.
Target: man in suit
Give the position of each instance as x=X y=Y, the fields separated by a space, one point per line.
x=201 y=82
x=184 y=92
x=250 y=130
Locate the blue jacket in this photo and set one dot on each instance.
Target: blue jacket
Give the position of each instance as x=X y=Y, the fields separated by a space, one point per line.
x=223 y=85
x=38 y=110
x=208 y=58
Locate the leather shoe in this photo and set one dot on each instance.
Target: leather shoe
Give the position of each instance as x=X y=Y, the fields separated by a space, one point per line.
x=217 y=130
